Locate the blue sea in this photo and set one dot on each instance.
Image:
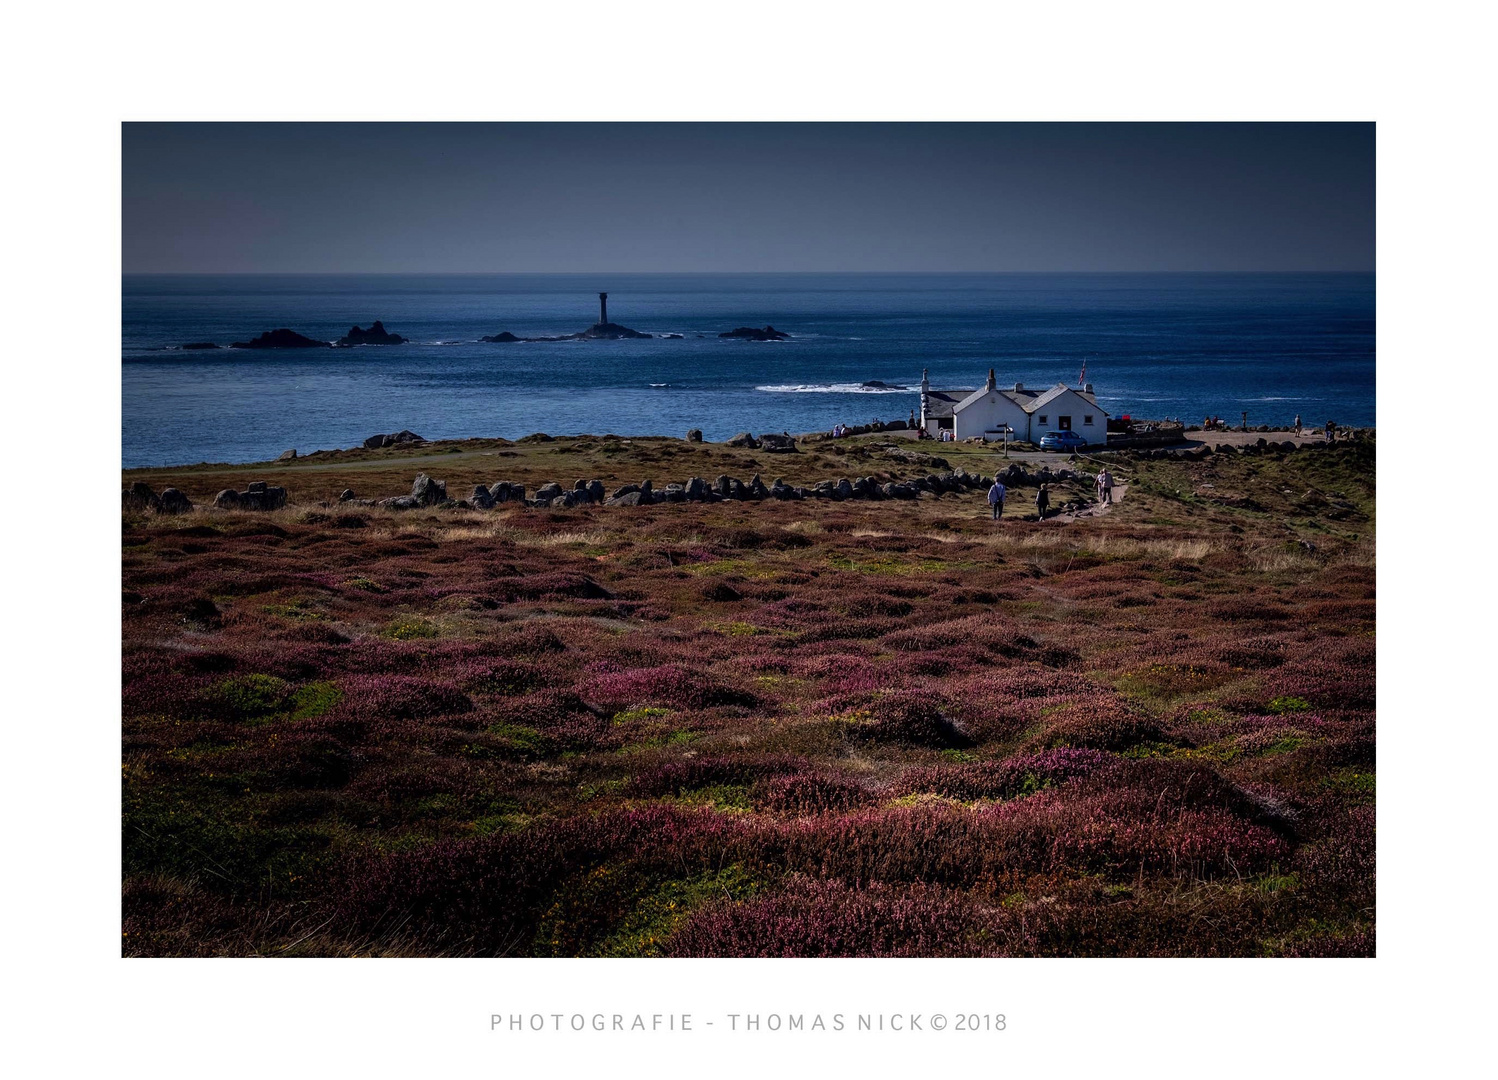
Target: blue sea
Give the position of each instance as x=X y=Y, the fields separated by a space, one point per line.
x=1154 y=345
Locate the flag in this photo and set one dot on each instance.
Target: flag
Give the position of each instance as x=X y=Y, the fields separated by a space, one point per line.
x=1082 y=378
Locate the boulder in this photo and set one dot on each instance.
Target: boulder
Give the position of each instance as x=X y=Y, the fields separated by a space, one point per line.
x=757 y=488
x=778 y=444
x=257 y=495
x=139 y=496
x=694 y=435
x=428 y=492
x=347 y=495
x=562 y=501
x=174 y=502
x=505 y=491
x=646 y=492
x=287 y=455
x=620 y=492
x=595 y=491
x=743 y=440
x=675 y=493
x=262 y=496
x=696 y=489
x=723 y=485
x=401 y=502
x=375 y=442
x=629 y=498
x=481 y=499
x=547 y=492
x=844 y=490
x=736 y=489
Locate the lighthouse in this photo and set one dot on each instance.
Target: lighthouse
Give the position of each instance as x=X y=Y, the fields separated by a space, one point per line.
x=603 y=309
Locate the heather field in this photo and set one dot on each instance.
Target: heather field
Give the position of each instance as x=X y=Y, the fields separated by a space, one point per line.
x=770 y=728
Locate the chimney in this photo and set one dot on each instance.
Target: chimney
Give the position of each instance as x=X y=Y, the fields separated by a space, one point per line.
x=1018 y=387
x=925 y=380
x=1088 y=388
x=603 y=308
x=991 y=383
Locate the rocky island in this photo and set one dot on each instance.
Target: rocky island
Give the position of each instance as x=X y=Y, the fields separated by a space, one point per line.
x=756 y=333
x=375 y=335
x=602 y=330
x=280 y=339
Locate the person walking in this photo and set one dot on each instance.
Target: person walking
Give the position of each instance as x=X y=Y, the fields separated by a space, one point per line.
x=1042 y=502
x=1105 y=486
x=1297 y=423
x=996 y=498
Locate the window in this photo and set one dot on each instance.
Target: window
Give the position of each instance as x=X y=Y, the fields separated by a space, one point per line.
x=1087 y=420
x=1043 y=420
x=1065 y=422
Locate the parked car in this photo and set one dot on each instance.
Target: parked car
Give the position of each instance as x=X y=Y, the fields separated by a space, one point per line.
x=1061 y=440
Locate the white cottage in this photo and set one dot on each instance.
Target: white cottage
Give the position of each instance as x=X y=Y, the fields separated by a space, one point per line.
x=1030 y=414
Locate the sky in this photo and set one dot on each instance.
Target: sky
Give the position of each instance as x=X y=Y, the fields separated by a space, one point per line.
x=659 y=197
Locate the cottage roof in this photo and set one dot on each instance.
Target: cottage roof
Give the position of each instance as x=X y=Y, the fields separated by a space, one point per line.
x=942 y=402
x=1053 y=393
x=946 y=402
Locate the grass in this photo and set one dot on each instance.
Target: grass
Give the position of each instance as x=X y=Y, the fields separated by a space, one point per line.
x=799 y=728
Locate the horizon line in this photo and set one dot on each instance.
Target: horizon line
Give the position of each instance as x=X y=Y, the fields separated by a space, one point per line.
x=682 y=273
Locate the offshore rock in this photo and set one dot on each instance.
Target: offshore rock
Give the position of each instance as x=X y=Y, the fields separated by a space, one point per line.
x=755 y=333
x=375 y=335
x=280 y=339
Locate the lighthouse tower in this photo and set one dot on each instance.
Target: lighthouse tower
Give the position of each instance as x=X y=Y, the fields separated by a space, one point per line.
x=603 y=308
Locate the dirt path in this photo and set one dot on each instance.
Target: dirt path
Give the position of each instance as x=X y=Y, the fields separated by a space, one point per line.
x=1120 y=490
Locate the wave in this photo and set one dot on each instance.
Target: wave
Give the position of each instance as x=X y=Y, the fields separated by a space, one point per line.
x=833 y=388
x=658 y=385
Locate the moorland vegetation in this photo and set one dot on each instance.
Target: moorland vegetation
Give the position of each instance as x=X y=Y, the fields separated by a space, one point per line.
x=811 y=728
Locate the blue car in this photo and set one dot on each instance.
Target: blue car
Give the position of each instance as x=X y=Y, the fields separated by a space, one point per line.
x=1061 y=440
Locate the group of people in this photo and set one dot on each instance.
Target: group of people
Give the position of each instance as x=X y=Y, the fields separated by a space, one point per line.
x=998 y=493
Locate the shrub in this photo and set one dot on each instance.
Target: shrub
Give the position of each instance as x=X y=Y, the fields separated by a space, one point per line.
x=667 y=685
x=808 y=793
x=910 y=719
x=1020 y=775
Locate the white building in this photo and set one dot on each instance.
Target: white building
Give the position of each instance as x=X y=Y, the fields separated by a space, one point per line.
x=1030 y=414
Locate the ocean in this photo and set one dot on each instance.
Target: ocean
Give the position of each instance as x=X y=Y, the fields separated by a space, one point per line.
x=1154 y=345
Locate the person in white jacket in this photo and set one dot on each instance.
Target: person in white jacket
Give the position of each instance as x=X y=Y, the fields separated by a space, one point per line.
x=996 y=498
